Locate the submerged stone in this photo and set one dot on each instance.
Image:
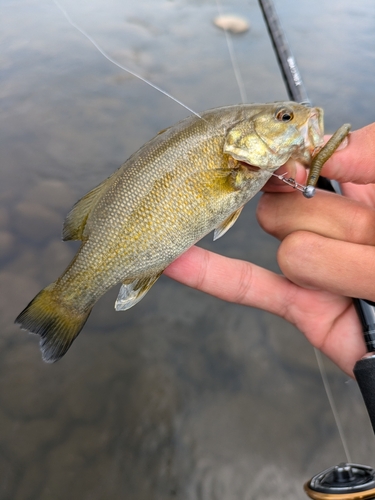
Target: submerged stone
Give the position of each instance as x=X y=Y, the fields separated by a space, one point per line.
x=234 y=24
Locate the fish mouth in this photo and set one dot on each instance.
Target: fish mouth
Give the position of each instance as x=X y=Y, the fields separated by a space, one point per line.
x=314 y=135
x=248 y=166
x=236 y=163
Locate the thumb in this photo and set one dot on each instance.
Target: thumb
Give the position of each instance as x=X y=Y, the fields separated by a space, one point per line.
x=356 y=162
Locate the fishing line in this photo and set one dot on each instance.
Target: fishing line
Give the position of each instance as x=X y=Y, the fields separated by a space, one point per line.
x=233 y=59
x=242 y=91
x=331 y=401
x=297 y=92
x=113 y=61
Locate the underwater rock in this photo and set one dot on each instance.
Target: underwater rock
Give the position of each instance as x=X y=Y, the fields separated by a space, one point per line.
x=53 y=194
x=37 y=222
x=234 y=24
x=4 y=218
x=17 y=289
x=6 y=244
x=55 y=259
x=33 y=393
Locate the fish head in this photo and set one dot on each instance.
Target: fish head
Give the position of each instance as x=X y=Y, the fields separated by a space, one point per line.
x=277 y=133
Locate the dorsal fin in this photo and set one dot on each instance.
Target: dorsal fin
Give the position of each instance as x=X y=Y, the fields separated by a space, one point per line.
x=75 y=221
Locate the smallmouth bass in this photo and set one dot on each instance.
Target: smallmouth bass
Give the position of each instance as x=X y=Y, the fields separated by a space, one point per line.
x=190 y=179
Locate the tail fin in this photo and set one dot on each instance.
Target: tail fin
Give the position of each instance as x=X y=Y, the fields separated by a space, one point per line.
x=57 y=325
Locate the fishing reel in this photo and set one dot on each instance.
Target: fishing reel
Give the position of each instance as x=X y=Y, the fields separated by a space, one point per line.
x=348 y=481
x=342 y=482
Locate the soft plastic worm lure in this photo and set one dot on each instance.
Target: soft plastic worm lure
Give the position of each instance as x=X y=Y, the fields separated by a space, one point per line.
x=317 y=163
x=325 y=153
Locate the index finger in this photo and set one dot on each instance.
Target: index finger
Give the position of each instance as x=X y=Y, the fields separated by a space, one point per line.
x=232 y=280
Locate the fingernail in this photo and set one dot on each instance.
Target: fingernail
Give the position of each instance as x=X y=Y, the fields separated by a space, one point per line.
x=344 y=143
x=291 y=168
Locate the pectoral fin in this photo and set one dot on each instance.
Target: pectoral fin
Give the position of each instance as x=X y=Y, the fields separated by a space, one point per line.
x=131 y=293
x=227 y=224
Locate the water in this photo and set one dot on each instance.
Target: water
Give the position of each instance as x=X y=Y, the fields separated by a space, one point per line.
x=183 y=396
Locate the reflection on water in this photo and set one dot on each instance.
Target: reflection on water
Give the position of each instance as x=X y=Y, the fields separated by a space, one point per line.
x=183 y=396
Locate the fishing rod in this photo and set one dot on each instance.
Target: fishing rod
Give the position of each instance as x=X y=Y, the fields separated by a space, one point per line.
x=349 y=481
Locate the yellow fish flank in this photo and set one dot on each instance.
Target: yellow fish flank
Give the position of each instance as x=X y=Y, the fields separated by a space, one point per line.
x=190 y=179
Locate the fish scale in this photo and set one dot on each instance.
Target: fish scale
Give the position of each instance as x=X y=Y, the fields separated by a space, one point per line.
x=190 y=179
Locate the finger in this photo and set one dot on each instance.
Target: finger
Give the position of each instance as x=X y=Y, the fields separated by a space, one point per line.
x=291 y=169
x=356 y=162
x=320 y=315
x=353 y=161
x=339 y=334
x=314 y=261
x=360 y=192
x=327 y=214
x=232 y=280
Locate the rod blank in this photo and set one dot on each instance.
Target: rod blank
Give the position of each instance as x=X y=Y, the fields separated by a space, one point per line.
x=289 y=69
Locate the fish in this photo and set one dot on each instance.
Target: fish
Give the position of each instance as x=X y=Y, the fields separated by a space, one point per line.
x=190 y=179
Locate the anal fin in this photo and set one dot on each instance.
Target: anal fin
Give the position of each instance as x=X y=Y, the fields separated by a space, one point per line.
x=226 y=224
x=131 y=293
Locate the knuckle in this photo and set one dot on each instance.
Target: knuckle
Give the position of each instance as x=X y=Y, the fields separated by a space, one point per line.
x=202 y=274
x=298 y=253
x=262 y=212
x=361 y=227
x=267 y=214
x=244 y=282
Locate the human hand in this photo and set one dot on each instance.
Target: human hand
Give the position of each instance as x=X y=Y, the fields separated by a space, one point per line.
x=327 y=254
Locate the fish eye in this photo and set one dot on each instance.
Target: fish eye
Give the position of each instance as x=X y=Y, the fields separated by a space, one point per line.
x=284 y=115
